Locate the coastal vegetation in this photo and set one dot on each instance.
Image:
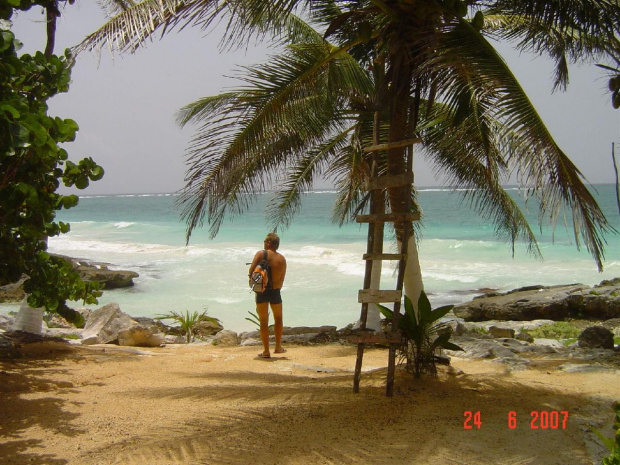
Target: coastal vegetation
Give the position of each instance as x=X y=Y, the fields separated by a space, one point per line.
x=557 y=330
x=423 y=333
x=347 y=73
x=188 y=321
x=613 y=443
x=33 y=163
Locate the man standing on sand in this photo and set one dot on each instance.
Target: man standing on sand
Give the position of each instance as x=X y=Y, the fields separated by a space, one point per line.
x=271 y=295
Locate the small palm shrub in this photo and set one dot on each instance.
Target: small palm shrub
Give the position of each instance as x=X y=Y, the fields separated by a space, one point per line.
x=253 y=318
x=188 y=321
x=422 y=334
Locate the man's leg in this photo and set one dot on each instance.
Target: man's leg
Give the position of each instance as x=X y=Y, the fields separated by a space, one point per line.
x=278 y=326
x=262 y=310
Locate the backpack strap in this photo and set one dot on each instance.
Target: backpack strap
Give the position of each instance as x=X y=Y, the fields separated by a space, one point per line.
x=269 y=280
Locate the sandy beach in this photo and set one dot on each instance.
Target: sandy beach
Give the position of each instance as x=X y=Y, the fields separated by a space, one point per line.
x=205 y=404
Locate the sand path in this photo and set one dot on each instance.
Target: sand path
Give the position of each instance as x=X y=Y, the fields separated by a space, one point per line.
x=204 y=404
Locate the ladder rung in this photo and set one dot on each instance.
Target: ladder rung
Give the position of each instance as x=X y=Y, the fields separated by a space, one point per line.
x=384 y=256
x=392 y=145
x=387 y=218
x=375 y=296
x=387 y=181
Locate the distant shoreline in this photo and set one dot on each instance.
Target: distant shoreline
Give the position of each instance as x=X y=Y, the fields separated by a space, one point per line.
x=430 y=188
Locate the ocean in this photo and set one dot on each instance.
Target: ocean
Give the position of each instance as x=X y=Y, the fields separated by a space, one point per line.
x=459 y=255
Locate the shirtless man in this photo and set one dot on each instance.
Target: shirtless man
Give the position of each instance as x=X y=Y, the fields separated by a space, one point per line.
x=271 y=295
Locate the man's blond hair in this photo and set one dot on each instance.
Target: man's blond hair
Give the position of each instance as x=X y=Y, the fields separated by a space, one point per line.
x=274 y=240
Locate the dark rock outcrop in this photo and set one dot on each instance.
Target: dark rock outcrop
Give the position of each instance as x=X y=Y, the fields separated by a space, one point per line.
x=13 y=292
x=109 y=279
x=596 y=337
x=541 y=302
x=89 y=271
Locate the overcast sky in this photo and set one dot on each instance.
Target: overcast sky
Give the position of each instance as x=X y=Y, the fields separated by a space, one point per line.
x=126 y=106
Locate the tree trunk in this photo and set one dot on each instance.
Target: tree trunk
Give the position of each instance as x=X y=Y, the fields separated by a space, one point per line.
x=399 y=198
x=51 y=13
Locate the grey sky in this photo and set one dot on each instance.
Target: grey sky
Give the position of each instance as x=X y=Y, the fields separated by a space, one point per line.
x=125 y=106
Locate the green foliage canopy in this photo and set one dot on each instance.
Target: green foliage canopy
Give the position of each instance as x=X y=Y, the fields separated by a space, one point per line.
x=32 y=165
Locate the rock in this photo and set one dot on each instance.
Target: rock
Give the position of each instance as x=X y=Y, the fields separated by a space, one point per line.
x=482 y=328
x=56 y=321
x=458 y=327
x=538 y=302
x=480 y=348
x=226 y=338
x=172 y=339
x=499 y=332
x=453 y=371
x=89 y=271
x=6 y=322
x=600 y=302
x=71 y=333
x=92 y=340
x=8 y=348
x=13 y=292
x=551 y=343
x=581 y=368
x=109 y=279
x=523 y=335
x=613 y=325
x=250 y=341
x=309 y=330
x=140 y=336
x=300 y=334
x=596 y=336
x=207 y=328
x=97 y=271
x=105 y=323
x=156 y=326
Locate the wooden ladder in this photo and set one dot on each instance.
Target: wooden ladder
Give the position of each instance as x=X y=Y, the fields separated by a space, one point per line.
x=376 y=220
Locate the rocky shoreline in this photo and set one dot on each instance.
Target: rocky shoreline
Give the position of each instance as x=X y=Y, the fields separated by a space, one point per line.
x=495 y=326
x=107 y=277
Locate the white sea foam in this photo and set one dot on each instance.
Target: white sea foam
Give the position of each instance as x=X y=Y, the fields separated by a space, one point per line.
x=63 y=244
x=227 y=301
x=123 y=224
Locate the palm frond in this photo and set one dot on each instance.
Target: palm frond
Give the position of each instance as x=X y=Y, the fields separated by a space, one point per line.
x=136 y=22
x=113 y=7
x=468 y=60
x=563 y=45
x=300 y=177
x=287 y=107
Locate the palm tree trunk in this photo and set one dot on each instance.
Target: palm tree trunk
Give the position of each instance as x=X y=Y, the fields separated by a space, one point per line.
x=399 y=198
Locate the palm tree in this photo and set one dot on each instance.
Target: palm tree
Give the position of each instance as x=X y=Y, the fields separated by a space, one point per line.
x=423 y=67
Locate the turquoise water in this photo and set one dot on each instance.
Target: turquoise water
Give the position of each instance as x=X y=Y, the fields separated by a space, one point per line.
x=459 y=254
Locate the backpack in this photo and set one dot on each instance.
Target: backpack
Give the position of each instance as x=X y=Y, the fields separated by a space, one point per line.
x=259 y=279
